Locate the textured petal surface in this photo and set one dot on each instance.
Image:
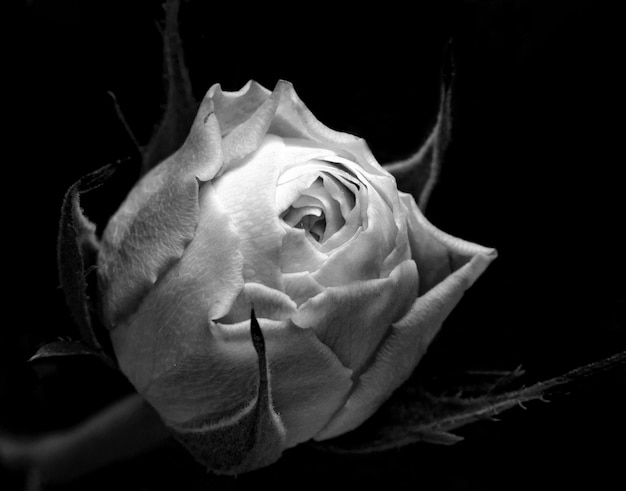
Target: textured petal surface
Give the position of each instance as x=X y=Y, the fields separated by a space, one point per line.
x=308 y=382
x=404 y=347
x=157 y=221
x=247 y=136
x=172 y=317
x=353 y=319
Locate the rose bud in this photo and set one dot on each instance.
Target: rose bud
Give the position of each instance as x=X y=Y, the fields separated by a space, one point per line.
x=265 y=207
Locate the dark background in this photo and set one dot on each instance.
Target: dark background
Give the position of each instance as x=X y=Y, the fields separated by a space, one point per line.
x=534 y=169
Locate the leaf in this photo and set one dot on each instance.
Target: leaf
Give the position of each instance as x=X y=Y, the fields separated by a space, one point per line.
x=70 y=348
x=419 y=416
x=418 y=174
x=181 y=105
x=250 y=438
x=77 y=248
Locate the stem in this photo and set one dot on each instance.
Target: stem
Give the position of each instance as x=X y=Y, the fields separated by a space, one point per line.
x=123 y=430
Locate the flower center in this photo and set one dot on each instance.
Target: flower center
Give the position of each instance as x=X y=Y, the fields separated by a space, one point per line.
x=313 y=225
x=318 y=210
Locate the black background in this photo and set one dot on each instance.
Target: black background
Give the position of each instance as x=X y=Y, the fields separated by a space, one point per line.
x=534 y=169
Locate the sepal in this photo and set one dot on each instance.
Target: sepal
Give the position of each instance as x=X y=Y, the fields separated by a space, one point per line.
x=250 y=438
x=70 y=348
x=77 y=250
x=180 y=105
x=418 y=174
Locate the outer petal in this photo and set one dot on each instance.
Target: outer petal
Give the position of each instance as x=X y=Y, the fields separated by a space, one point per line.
x=404 y=347
x=353 y=319
x=437 y=253
x=253 y=437
x=171 y=320
x=157 y=221
x=247 y=136
x=308 y=382
x=235 y=108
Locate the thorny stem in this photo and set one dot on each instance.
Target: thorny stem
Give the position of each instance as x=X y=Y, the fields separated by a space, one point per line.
x=131 y=427
x=538 y=391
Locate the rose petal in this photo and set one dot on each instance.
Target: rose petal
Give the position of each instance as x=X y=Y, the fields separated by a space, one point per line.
x=267 y=302
x=353 y=319
x=341 y=194
x=202 y=285
x=362 y=257
x=301 y=286
x=248 y=194
x=288 y=191
x=332 y=210
x=250 y=438
x=402 y=251
x=404 y=347
x=437 y=253
x=353 y=219
x=234 y=108
x=298 y=253
x=157 y=220
x=308 y=382
x=383 y=182
x=295 y=215
x=247 y=137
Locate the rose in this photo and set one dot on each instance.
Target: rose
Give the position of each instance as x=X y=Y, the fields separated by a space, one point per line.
x=264 y=206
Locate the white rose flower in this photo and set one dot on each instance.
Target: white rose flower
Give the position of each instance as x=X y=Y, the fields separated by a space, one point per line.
x=264 y=206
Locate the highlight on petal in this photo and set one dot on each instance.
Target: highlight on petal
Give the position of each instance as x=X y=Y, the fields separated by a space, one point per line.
x=403 y=348
x=247 y=192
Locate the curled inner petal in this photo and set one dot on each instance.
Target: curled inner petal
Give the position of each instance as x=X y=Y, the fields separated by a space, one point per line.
x=322 y=208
